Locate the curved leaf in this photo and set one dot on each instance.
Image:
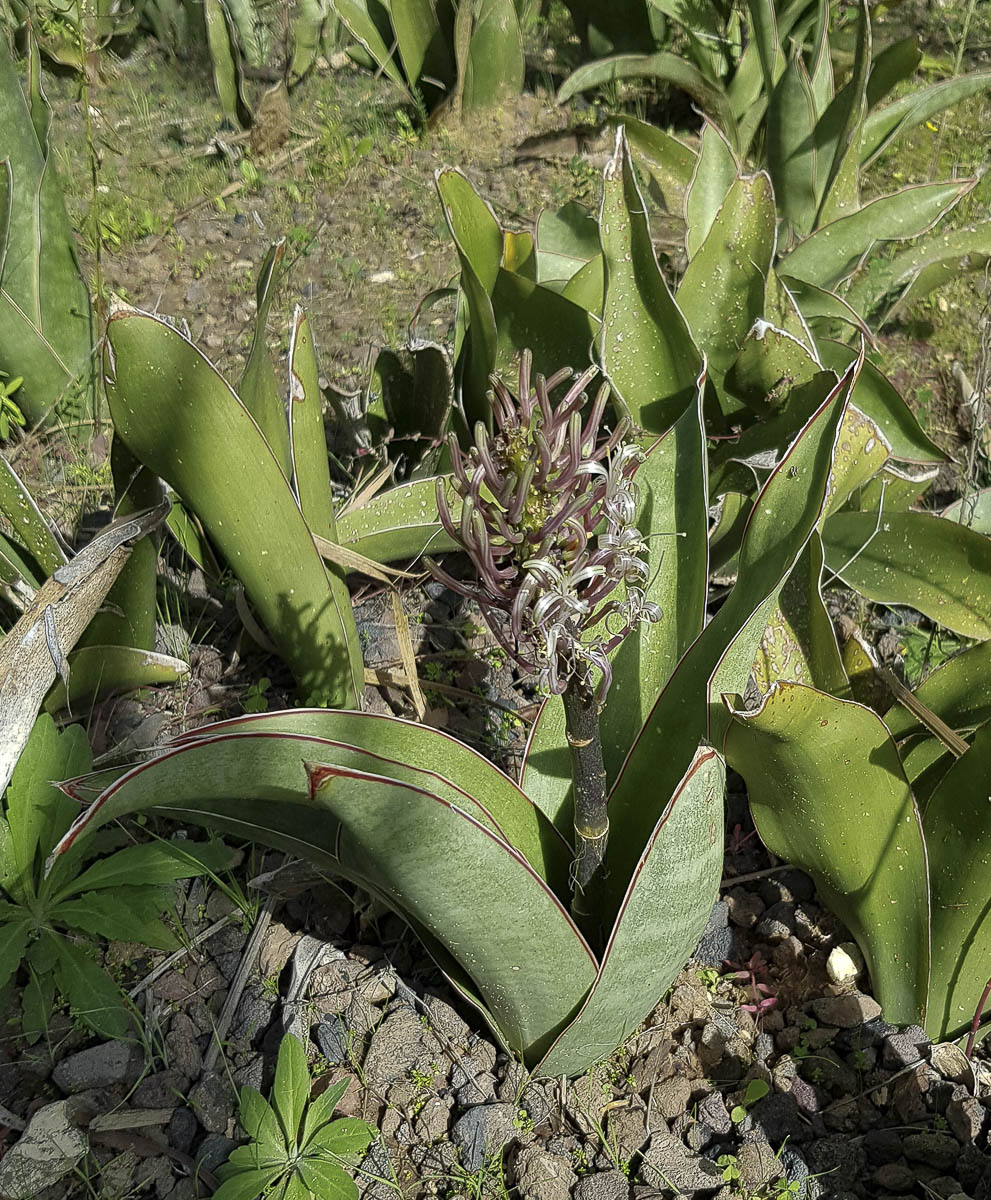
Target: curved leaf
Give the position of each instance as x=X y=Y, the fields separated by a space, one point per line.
x=96 y=671
x=883 y=125
x=399 y=523
x=647 y=351
x=715 y=171
x=958 y=838
x=677 y=876
x=959 y=692
x=941 y=569
x=173 y=410
x=820 y=772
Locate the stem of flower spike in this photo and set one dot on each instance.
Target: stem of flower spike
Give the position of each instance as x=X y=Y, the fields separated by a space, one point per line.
x=581 y=718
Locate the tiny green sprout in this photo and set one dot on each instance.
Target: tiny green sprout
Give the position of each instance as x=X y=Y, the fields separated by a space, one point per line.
x=757 y=1089
x=10 y=414
x=709 y=978
x=254 y=698
x=730 y=1166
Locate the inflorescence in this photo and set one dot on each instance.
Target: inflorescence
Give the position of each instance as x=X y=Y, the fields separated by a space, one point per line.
x=547 y=517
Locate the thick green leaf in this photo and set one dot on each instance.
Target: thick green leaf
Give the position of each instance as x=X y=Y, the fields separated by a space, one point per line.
x=677 y=875
x=13 y=943
x=883 y=125
x=291 y=1089
x=308 y=24
x=895 y=63
x=770 y=363
x=958 y=840
x=221 y=45
x=790 y=146
x=834 y=251
x=916 y=271
x=820 y=773
x=478 y=240
x=327 y=1180
x=93 y=996
x=37 y=812
x=129 y=915
x=259 y=1121
x=666 y=163
x=259 y=389
x=816 y=303
x=360 y=18
x=764 y=26
x=973 y=510
x=528 y=316
x=900 y=488
x=174 y=411
x=837 y=134
x=248 y=1185
x=399 y=523
x=525 y=955
x=715 y=170
x=646 y=349
x=566 y=241
x=97 y=671
x=783 y=518
x=722 y=291
x=941 y=569
x=674 y=521
x=664 y=66
x=959 y=692
x=799 y=643
x=879 y=399
x=46 y=324
x=421 y=41
x=346 y=1137
x=494 y=67
x=861 y=452
x=19 y=507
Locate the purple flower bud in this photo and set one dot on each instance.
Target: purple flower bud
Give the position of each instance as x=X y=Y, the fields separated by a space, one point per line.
x=547 y=518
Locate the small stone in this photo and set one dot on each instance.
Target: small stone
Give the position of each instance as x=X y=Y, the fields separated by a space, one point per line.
x=181 y=1051
x=778 y=1118
x=334 y=1040
x=398 y=1043
x=883 y=1146
x=935 y=1149
x=46 y=1152
x=758 y=1164
x=213 y=1102
x=164 y=1089
x=714 y=1112
x=845 y=963
x=843 y=1160
x=667 y=1163
x=432 y=1120
x=904 y=1048
x=605 y=1185
x=846 y=1011
x=482 y=1131
x=100 y=1066
x=716 y=943
x=182 y=1129
x=966 y=1116
x=543 y=1176
x=895 y=1177
x=672 y=1096
x=382 y=277
x=214 y=1150
x=745 y=908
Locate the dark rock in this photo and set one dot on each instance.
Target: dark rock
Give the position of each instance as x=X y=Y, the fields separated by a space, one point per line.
x=938 y=1150
x=895 y=1177
x=543 y=1176
x=717 y=942
x=482 y=1131
x=667 y=1163
x=110 y=1063
x=901 y=1049
x=944 y=1186
x=213 y=1102
x=214 y=1150
x=875 y=1032
x=796 y=1170
x=604 y=1185
x=908 y=1099
x=883 y=1146
x=966 y=1116
x=333 y=1038
x=699 y=1136
x=970 y=1166
x=254 y=1013
x=181 y=1051
x=471 y=1084
x=182 y=1129
x=713 y=1111
x=164 y=1089
x=251 y=1072
x=844 y=1161
x=626 y=1131
x=745 y=908
x=846 y=1011
x=777 y=1117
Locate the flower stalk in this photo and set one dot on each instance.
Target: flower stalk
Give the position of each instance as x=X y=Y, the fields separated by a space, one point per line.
x=547 y=518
